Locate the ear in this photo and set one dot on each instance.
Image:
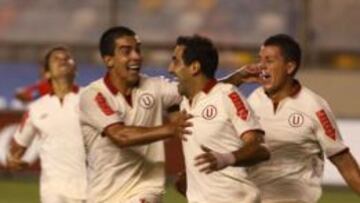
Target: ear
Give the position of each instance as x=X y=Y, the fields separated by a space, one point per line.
x=291 y=67
x=109 y=61
x=195 y=68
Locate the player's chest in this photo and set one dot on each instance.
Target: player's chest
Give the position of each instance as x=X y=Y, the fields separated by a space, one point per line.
x=287 y=125
x=141 y=106
x=209 y=119
x=55 y=115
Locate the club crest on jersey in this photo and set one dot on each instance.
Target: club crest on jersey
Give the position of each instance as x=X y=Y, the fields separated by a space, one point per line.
x=147 y=101
x=209 y=112
x=296 y=120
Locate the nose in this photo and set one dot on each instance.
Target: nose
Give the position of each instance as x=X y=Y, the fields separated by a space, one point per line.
x=171 y=68
x=136 y=55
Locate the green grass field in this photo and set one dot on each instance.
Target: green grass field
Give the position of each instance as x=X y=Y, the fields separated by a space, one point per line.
x=26 y=191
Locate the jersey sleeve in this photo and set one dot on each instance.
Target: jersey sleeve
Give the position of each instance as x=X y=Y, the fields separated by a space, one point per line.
x=240 y=112
x=169 y=92
x=99 y=110
x=26 y=131
x=327 y=132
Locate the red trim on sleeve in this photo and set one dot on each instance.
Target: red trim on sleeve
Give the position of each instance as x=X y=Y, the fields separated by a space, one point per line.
x=241 y=109
x=103 y=105
x=103 y=134
x=326 y=124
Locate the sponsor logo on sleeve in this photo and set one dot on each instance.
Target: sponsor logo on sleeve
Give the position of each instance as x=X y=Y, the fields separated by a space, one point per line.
x=326 y=124
x=103 y=104
x=296 y=120
x=209 y=112
x=241 y=109
x=147 y=101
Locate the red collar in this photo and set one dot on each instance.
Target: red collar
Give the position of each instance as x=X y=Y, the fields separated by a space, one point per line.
x=209 y=85
x=109 y=85
x=114 y=90
x=296 y=88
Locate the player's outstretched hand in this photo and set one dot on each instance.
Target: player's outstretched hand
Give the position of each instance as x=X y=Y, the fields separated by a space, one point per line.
x=211 y=161
x=180 y=122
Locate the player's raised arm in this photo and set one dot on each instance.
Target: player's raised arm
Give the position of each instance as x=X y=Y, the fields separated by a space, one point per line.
x=248 y=73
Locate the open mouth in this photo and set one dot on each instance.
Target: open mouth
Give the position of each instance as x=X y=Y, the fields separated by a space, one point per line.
x=264 y=75
x=135 y=67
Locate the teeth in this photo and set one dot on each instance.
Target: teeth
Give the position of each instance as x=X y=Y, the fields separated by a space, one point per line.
x=264 y=75
x=134 y=67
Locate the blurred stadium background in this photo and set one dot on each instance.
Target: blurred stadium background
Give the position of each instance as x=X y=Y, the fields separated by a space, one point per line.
x=326 y=29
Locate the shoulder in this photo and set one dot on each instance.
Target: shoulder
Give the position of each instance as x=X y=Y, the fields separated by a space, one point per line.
x=40 y=102
x=93 y=89
x=311 y=99
x=156 y=80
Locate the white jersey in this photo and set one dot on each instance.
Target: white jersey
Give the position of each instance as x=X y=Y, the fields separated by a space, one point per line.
x=62 y=152
x=124 y=172
x=298 y=134
x=221 y=116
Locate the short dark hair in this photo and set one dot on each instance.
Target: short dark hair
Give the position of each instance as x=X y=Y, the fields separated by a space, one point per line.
x=289 y=47
x=108 y=38
x=201 y=49
x=49 y=52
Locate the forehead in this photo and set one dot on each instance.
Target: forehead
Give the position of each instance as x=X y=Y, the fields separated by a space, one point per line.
x=59 y=52
x=127 y=41
x=179 y=49
x=270 y=51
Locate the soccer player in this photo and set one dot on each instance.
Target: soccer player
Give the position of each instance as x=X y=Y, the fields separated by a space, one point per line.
x=54 y=119
x=300 y=130
x=225 y=133
x=121 y=117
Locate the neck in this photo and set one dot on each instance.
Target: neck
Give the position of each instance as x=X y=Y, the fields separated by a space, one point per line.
x=120 y=85
x=62 y=86
x=285 y=91
x=197 y=85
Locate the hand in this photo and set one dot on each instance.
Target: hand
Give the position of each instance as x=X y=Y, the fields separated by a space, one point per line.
x=179 y=121
x=211 y=161
x=250 y=72
x=15 y=164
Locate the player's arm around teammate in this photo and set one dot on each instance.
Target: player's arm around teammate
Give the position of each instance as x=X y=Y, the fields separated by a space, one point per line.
x=252 y=152
x=125 y=136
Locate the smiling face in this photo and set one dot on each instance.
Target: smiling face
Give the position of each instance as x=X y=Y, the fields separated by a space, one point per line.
x=61 y=65
x=276 y=70
x=126 y=61
x=180 y=70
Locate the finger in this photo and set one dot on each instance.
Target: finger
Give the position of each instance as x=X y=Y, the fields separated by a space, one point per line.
x=187 y=124
x=186 y=132
x=205 y=149
x=201 y=156
x=202 y=161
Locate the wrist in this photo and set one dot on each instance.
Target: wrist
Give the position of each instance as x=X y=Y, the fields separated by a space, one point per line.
x=224 y=159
